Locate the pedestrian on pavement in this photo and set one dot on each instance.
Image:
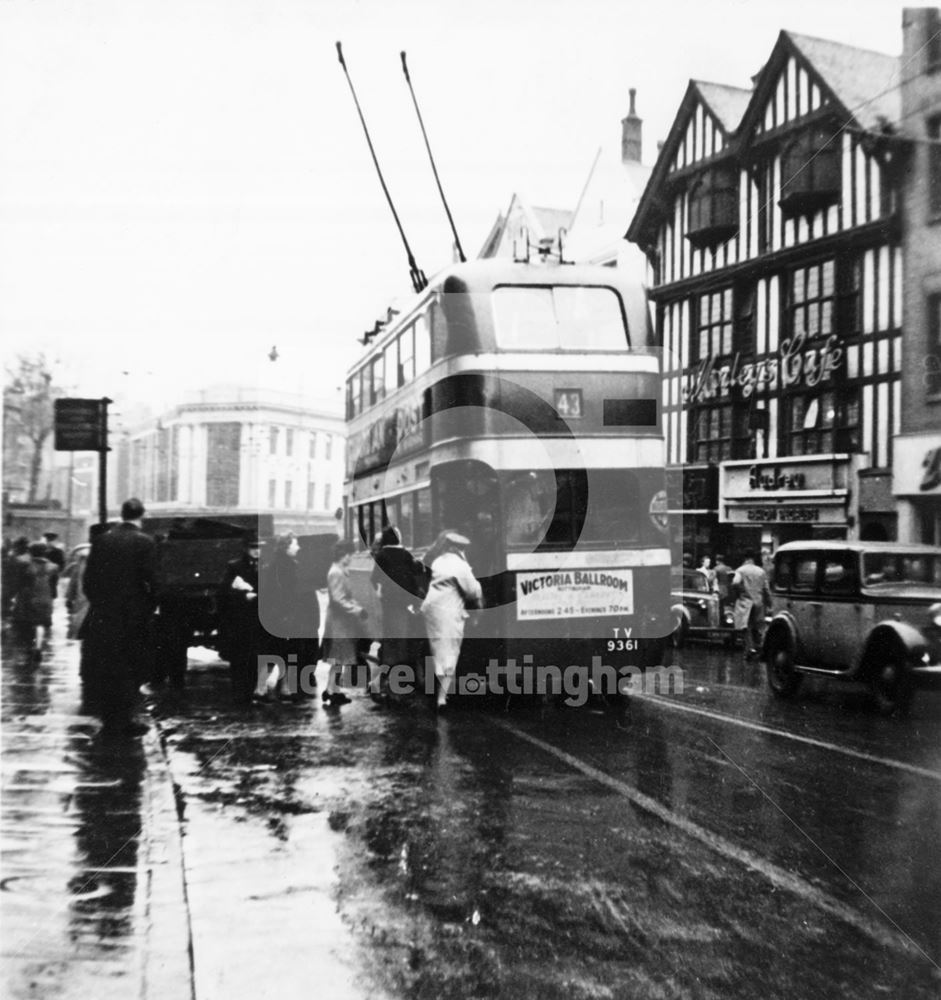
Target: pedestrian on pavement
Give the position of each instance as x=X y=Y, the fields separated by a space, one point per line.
x=15 y=559
x=291 y=621
x=752 y=601
x=56 y=557
x=243 y=634
x=344 y=622
x=119 y=582
x=399 y=579
x=32 y=602
x=705 y=567
x=724 y=574
x=76 y=603
x=452 y=591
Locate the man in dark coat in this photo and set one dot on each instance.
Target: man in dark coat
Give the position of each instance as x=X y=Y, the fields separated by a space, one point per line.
x=243 y=635
x=119 y=583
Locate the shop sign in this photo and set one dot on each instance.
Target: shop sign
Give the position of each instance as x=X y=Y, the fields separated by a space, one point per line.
x=774 y=479
x=794 y=365
x=570 y=593
x=917 y=471
x=775 y=514
x=784 y=515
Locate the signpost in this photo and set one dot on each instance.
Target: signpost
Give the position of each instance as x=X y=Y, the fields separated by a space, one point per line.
x=82 y=425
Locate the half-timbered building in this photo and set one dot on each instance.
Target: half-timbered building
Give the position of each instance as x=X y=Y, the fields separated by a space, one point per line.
x=771 y=229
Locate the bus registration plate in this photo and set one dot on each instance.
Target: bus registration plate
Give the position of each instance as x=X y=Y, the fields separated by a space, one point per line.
x=574 y=593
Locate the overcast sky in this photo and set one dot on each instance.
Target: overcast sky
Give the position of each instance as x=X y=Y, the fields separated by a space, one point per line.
x=184 y=183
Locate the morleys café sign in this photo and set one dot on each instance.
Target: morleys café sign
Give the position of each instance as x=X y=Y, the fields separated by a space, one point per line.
x=794 y=365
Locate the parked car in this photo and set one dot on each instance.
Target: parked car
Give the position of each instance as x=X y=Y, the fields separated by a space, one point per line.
x=859 y=611
x=697 y=611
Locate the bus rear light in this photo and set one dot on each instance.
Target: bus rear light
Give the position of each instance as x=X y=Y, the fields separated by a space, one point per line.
x=658 y=510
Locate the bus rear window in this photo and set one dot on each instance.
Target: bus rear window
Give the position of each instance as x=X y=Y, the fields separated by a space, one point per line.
x=559 y=317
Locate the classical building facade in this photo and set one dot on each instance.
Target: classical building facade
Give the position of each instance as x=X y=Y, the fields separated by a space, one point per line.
x=771 y=226
x=917 y=479
x=238 y=449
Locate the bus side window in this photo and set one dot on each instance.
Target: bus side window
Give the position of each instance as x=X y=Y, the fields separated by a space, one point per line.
x=422 y=523
x=407 y=519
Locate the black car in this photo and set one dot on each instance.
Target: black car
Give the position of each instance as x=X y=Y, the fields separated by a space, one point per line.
x=697 y=609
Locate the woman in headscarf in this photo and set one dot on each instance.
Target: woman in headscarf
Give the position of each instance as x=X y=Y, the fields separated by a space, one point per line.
x=344 y=623
x=452 y=590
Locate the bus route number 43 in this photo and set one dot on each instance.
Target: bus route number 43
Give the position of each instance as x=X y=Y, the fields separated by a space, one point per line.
x=568 y=402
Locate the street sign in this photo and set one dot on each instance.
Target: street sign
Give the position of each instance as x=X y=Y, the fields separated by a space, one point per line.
x=81 y=425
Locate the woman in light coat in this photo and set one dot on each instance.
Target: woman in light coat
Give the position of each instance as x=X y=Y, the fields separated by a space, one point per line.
x=452 y=590
x=344 y=622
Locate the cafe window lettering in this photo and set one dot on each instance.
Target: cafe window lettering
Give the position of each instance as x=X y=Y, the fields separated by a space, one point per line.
x=714 y=325
x=822 y=423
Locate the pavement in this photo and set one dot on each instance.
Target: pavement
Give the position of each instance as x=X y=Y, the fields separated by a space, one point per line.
x=92 y=892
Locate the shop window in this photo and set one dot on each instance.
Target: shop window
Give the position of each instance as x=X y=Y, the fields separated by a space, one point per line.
x=719 y=433
x=714 y=325
x=713 y=207
x=822 y=423
x=743 y=332
x=932 y=365
x=933 y=129
x=812 y=300
x=810 y=171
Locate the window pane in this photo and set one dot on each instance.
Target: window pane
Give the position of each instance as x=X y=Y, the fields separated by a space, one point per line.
x=589 y=319
x=422 y=344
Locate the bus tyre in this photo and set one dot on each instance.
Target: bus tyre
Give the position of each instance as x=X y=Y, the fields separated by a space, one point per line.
x=783 y=679
x=890 y=683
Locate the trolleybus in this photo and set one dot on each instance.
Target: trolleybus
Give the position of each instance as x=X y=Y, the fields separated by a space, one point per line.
x=519 y=404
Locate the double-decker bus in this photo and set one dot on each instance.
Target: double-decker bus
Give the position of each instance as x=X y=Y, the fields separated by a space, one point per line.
x=519 y=404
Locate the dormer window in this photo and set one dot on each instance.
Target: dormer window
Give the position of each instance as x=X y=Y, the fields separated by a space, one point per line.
x=810 y=172
x=713 y=207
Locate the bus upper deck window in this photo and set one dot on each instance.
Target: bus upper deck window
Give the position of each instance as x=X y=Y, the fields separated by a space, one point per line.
x=590 y=319
x=566 y=317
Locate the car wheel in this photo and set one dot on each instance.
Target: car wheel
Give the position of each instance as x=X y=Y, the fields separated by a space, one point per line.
x=783 y=678
x=890 y=684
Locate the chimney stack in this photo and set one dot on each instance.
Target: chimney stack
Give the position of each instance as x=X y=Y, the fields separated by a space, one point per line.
x=631 y=129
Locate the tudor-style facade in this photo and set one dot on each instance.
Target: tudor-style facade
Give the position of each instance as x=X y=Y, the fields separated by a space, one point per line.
x=770 y=226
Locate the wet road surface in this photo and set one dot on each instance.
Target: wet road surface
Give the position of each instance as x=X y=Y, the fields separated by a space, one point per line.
x=709 y=844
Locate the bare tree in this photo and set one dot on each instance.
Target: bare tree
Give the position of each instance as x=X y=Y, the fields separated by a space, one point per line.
x=28 y=419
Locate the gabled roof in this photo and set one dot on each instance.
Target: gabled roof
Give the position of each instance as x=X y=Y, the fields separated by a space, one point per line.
x=727 y=104
x=542 y=223
x=551 y=220
x=864 y=82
